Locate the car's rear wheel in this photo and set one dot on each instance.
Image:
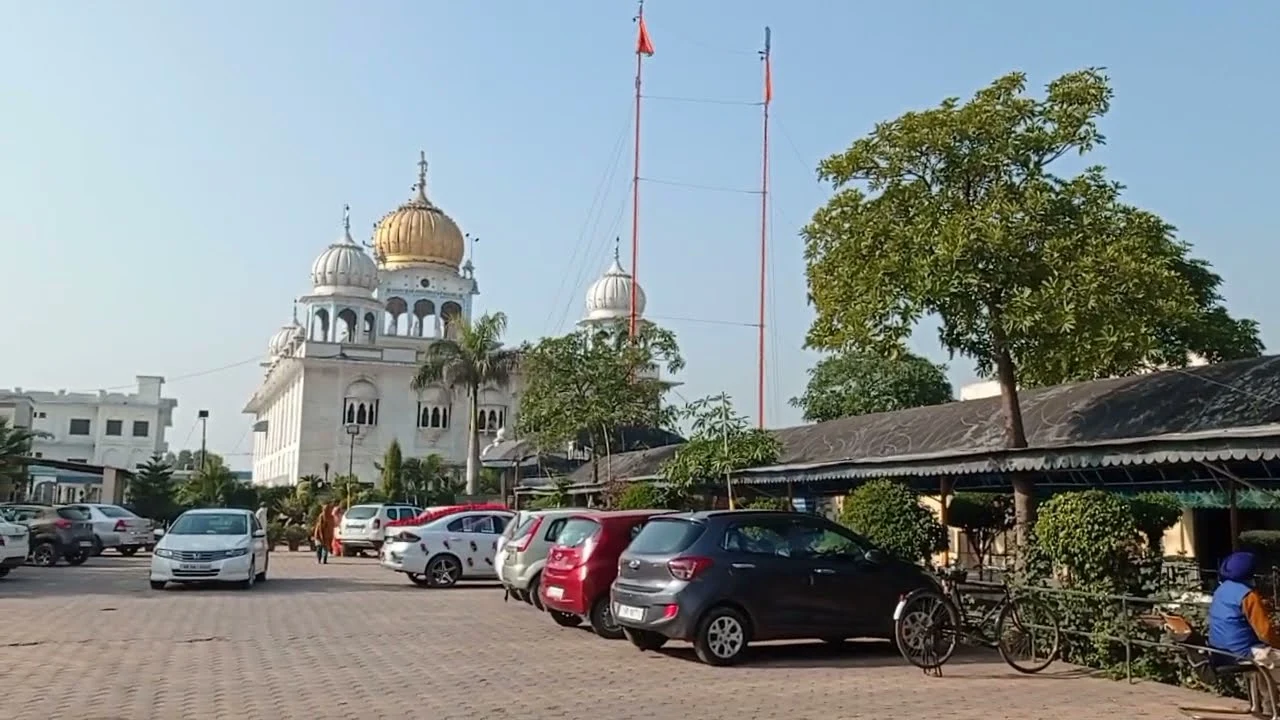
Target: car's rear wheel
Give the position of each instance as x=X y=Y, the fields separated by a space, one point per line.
x=603 y=622
x=645 y=639
x=44 y=555
x=128 y=550
x=419 y=579
x=157 y=584
x=535 y=592
x=78 y=557
x=722 y=637
x=97 y=546
x=444 y=571
x=564 y=619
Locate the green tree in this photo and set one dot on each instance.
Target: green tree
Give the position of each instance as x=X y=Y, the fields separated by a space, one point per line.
x=890 y=515
x=720 y=443
x=958 y=212
x=214 y=486
x=392 y=469
x=427 y=481
x=469 y=363
x=152 y=491
x=1155 y=512
x=15 y=447
x=859 y=383
x=1092 y=535
x=981 y=518
x=594 y=382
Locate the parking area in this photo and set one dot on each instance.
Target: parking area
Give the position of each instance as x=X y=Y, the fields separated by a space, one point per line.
x=351 y=640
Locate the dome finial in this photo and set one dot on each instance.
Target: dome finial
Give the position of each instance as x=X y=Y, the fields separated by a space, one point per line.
x=617 y=252
x=422 y=175
x=346 y=224
x=295 y=312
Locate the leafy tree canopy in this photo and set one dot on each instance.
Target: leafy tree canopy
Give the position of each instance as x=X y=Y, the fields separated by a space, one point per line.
x=595 y=381
x=858 y=383
x=152 y=491
x=15 y=445
x=392 y=470
x=958 y=212
x=720 y=442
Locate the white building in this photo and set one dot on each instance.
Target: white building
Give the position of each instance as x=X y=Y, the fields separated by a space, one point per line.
x=119 y=430
x=348 y=365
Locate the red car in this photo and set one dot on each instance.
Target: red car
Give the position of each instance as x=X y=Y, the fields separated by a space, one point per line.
x=583 y=564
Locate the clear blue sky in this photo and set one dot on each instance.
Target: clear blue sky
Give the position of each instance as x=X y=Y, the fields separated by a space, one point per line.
x=169 y=170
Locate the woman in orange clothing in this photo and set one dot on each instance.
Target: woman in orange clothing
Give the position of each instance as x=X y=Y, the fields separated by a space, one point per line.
x=337 y=520
x=323 y=533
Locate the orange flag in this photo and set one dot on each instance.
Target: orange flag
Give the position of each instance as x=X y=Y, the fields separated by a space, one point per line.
x=644 y=46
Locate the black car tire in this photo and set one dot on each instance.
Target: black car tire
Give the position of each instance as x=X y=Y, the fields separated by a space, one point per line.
x=564 y=619
x=78 y=557
x=97 y=546
x=157 y=584
x=266 y=564
x=438 y=575
x=645 y=639
x=247 y=583
x=44 y=554
x=4 y=571
x=603 y=622
x=128 y=550
x=418 y=579
x=722 y=637
x=535 y=592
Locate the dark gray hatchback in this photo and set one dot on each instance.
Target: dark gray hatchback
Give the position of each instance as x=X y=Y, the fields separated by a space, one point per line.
x=722 y=579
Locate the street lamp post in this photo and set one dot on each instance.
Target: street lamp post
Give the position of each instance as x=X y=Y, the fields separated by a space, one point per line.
x=352 y=430
x=203 y=415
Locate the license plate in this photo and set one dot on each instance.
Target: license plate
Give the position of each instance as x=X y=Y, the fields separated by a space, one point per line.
x=626 y=612
x=195 y=566
x=897 y=611
x=555 y=593
x=86 y=543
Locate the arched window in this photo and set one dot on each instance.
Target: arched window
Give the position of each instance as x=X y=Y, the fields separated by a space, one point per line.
x=351 y=413
x=444 y=417
x=480 y=421
x=502 y=418
x=435 y=418
x=424 y=416
x=361 y=417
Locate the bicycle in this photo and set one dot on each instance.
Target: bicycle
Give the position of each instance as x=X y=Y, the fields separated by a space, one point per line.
x=928 y=624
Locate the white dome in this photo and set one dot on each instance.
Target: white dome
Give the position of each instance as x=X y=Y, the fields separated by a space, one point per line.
x=609 y=298
x=344 y=268
x=279 y=344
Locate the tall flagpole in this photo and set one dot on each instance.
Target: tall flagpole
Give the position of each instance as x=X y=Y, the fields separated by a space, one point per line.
x=643 y=47
x=764 y=222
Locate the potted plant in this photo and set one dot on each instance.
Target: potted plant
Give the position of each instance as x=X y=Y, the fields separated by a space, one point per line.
x=294 y=535
x=275 y=534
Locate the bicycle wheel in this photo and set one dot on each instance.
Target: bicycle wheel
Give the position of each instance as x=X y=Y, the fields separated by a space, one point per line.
x=926 y=628
x=1027 y=635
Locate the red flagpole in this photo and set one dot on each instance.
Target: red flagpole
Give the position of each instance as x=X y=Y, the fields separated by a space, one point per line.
x=643 y=47
x=764 y=223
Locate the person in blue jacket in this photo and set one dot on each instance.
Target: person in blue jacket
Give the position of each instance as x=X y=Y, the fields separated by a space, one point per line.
x=1239 y=622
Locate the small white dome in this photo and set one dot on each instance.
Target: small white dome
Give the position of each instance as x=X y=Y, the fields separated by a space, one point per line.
x=280 y=342
x=344 y=268
x=609 y=298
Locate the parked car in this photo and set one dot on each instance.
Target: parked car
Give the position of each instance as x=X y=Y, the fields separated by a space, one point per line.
x=437 y=511
x=724 y=579
x=582 y=564
x=521 y=557
x=458 y=546
x=364 y=527
x=118 y=528
x=211 y=545
x=54 y=532
x=14 y=545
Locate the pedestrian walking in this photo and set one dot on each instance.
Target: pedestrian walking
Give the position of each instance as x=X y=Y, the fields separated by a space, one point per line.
x=323 y=533
x=261 y=514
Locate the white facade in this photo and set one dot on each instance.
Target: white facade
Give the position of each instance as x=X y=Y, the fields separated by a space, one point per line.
x=120 y=430
x=349 y=363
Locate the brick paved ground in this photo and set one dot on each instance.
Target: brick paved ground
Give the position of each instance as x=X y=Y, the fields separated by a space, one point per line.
x=350 y=640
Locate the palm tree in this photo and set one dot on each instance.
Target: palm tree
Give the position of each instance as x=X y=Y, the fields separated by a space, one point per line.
x=474 y=359
x=15 y=447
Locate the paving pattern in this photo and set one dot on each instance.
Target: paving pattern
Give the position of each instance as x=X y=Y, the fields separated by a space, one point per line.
x=350 y=640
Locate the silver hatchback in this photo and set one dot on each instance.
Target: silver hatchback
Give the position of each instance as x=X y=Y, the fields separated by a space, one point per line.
x=521 y=558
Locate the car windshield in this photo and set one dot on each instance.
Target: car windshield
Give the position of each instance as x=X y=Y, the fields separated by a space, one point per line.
x=665 y=536
x=576 y=532
x=361 y=512
x=518 y=529
x=211 y=524
x=74 y=513
x=115 y=511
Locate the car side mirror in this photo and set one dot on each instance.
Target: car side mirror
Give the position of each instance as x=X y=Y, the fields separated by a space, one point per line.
x=259 y=533
x=875 y=556
x=158 y=532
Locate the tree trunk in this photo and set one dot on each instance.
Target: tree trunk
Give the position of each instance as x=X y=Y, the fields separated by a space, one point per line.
x=1024 y=501
x=473 y=441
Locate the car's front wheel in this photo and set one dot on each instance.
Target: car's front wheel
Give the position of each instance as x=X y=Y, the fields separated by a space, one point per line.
x=722 y=637
x=247 y=583
x=262 y=576
x=157 y=584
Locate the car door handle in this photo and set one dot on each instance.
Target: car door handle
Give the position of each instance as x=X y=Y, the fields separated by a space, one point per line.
x=823 y=571
x=743 y=566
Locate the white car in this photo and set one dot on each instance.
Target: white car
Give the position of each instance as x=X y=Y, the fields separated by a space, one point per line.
x=513 y=527
x=118 y=528
x=455 y=547
x=364 y=527
x=14 y=545
x=212 y=545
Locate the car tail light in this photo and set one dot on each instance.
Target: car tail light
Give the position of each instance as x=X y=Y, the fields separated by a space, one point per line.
x=62 y=524
x=670 y=611
x=121 y=526
x=408 y=537
x=688 y=568
x=522 y=543
x=377 y=523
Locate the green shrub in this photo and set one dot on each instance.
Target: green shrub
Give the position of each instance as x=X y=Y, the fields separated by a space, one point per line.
x=275 y=533
x=981 y=517
x=1090 y=534
x=1154 y=513
x=1263 y=543
x=891 y=516
x=638 y=496
x=295 y=535
x=767 y=503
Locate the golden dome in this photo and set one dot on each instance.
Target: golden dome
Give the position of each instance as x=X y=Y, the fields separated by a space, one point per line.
x=417 y=232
